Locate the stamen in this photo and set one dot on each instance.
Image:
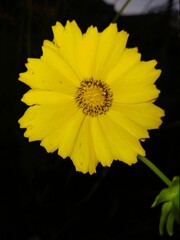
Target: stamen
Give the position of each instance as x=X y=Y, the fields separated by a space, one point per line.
x=94 y=97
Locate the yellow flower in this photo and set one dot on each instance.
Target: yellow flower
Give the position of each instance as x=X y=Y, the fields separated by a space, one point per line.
x=91 y=98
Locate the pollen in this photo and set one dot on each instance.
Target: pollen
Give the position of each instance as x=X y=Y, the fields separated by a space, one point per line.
x=94 y=97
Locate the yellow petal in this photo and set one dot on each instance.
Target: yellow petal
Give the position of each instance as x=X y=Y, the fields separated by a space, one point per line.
x=69 y=134
x=143 y=74
x=41 y=75
x=135 y=94
x=64 y=135
x=55 y=60
x=147 y=115
x=45 y=97
x=101 y=146
x=36 y=120
x=83 y=155
x=68 y=39
x=110 y=47
x=87 y=53
x=126 y=62
x=41 y=120
x=137 y=85
x=124 y=146
x=128 y=124
x=58 y=31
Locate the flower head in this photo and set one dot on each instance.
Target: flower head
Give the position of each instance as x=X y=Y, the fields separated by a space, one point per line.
x=91 y=98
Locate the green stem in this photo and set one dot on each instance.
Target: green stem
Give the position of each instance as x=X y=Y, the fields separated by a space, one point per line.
x=120 y=11
x=155 y=170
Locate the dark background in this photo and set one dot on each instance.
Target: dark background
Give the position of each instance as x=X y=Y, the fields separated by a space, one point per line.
x=41 y=195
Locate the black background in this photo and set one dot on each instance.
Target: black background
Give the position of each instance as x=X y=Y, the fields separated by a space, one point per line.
x=41 y=195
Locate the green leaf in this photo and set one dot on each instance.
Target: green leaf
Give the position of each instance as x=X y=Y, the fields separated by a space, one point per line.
x=170 y=207
x=175 y=208
x=169 y=224
x=167 y=194
x=164 y=214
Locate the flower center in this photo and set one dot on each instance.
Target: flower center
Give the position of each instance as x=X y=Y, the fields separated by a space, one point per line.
x=94 y=97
